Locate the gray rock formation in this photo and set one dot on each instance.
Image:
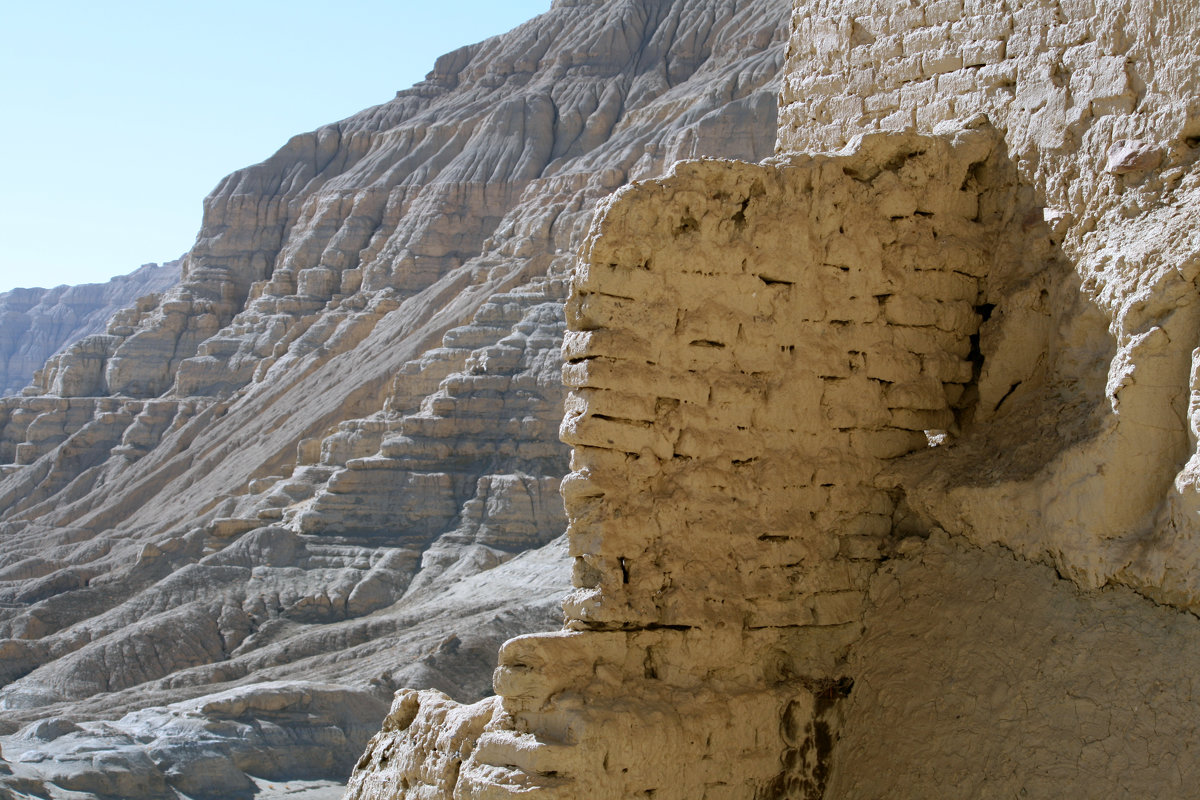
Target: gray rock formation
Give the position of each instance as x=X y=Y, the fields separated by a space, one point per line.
x=36 y=323
x=330 y=453
x=200 y=748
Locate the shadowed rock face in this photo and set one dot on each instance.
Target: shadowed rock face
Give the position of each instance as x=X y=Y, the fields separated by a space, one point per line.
x=330 y=452
x=35 y=323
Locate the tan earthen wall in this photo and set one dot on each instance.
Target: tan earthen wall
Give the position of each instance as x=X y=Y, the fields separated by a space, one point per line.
x=738 y=374
x=997 y=254
x=749 y=346
x=1088 y=358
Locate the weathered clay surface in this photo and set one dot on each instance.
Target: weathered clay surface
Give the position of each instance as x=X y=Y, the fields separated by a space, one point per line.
x=1086 y=457
x=331 y=453
x=884 y=450
x=883 y=456
x=36 y=323
x=983 y=675
x=739 y=385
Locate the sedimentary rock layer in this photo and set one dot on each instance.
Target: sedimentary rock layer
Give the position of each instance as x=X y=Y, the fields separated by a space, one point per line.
x=36 y=323
x=330 y=453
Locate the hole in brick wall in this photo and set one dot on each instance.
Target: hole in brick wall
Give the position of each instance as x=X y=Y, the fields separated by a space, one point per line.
x=707 y=343
x=649 y=671
x=686 y=225
x=975 y=175
x=774 y=281
x=641 y=423
x=900 y=159
x=965 y=407
x=838 y=688
x=624 y=570
x=859 y=35
x=739 y=219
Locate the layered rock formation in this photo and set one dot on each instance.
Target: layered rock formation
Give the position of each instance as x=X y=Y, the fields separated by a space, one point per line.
x=36 y=323
x=327 y=460
x=883 y=451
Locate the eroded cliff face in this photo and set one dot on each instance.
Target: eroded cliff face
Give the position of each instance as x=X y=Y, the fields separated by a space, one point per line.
x=883 y=449
x=36 y=323
x=328 y=458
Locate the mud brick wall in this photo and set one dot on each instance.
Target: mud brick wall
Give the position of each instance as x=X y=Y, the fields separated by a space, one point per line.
x=748 y=344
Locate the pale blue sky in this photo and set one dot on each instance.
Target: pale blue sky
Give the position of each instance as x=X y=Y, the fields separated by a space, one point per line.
x=117 y=118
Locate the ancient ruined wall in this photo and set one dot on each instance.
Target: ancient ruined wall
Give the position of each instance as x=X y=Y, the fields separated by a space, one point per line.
x=1091 y=357
x=858 y=436
x=738 y=374
x=748 y=347
x=1080 y=452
